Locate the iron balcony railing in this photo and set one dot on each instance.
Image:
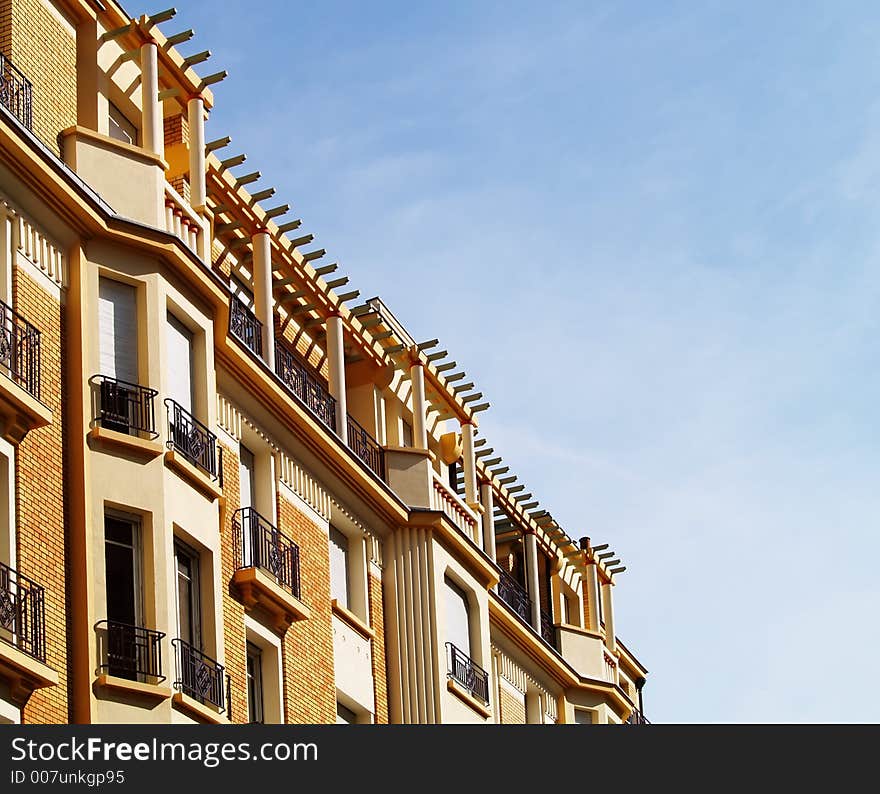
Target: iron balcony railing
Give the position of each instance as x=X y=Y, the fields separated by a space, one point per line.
x=366 y=448
x=200 y=677
x=515 y=596
x=131 y=652
x=548 y=630
x=463 y=670
x=259 y=544
x=19 y=350
x=637 y=718
x=16 y=92
x=188 y=436
x=126 y=407
x=310 y=391
x=244 y=326
x=22 y=613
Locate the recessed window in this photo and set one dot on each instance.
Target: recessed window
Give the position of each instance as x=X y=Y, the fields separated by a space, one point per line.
x=583 y=717
x=188 y=607
x=122 y=558
x=406 y=433
x=340 y=576
x=255 y=683
x=457 y=617
x=121 y=128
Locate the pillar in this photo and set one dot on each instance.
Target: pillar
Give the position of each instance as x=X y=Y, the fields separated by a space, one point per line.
x=608 y=614
x=591 y=583
x=487 y=499
x=336 y=372
x=195 y=109
x=469 y=464
x=263 y=301
x=420 y=411
x=151 y=107
x=531 y=544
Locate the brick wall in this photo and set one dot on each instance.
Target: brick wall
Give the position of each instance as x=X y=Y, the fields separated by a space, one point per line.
x=5 y=26
x=380 y=671
x=512 y=708
x=42 y=47
x=234 y=635
x=307 y=652
x=39 y=498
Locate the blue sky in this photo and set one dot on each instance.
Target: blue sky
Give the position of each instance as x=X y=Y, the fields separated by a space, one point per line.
x=651 y=236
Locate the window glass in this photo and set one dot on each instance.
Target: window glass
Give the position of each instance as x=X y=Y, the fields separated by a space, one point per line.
x=122 y=569
x=255 y=682
x=188 y=624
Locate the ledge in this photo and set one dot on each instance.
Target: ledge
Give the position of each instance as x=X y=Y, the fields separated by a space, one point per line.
x=257 y=588
x=193 y=474
x=155 y=692
x=20 y=411
x=198 y=710
x=115 y=441
x=105 y=141
x=347 y=616
x=466 y=697
x=24 y=673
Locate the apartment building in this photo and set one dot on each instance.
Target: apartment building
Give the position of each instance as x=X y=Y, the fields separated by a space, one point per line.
x=232 y=490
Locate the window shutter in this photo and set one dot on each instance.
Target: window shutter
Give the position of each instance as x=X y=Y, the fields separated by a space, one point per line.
x=179 y=358
x=457 y=623
x=118 y=332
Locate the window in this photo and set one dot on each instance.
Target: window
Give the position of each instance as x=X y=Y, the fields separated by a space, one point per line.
x=180 y=364
x=457 y=617
x=186 y=562
x=247 y=476
x=340 y=579
x=406 y=433
x=255 y=682
x=583 y=717
x=122 y=560
x=118 y=331
x=121 y=128
x=344 y=715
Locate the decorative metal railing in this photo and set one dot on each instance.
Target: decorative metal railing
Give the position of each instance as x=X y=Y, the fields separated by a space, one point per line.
x=244 y=326
x=637 y=718
x=19 y=350
x=302 y=383
x=462 y=669
x=16 y=92
x=22 y=613
x=366 y=448
x=548 y=630
x=188 y=436
x=259 y=544
x=131 y=652
x=201 y=677
x=126 y=407
x=515 y=596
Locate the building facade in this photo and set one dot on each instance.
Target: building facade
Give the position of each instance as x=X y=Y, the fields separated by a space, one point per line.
x=231 y=490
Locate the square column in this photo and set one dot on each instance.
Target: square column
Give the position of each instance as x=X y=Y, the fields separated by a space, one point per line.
x=263 y=301
x=195 y=110
x=336 y=371
x=151 y=107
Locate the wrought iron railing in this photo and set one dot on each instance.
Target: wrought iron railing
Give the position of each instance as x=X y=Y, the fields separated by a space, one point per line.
x=188 y=436
x=22 y=613
x=16 y=92
x=19 y=350
x=131 y=652
x=296 y=376
x=244 y=326
x=201 y=677
x=259 y=544
x=548 y=630
x=637 y=718
x=462 y=669
x=126 y=407
x=366 y=448
x=515 y=596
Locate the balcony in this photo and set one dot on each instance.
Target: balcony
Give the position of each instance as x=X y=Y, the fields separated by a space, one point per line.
x=366 y=448
x=245 y=327
x=548 y=630
x=201 y=678
x=23 y=635
x=20 y=408
x=515 y=596
x=130 y=652
x=22 y=613
x=447 y=501
x=305 y=386
x=193 y=451
x=464 y=672
x=637 y=718
x=266 y=568
x=16 y=92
